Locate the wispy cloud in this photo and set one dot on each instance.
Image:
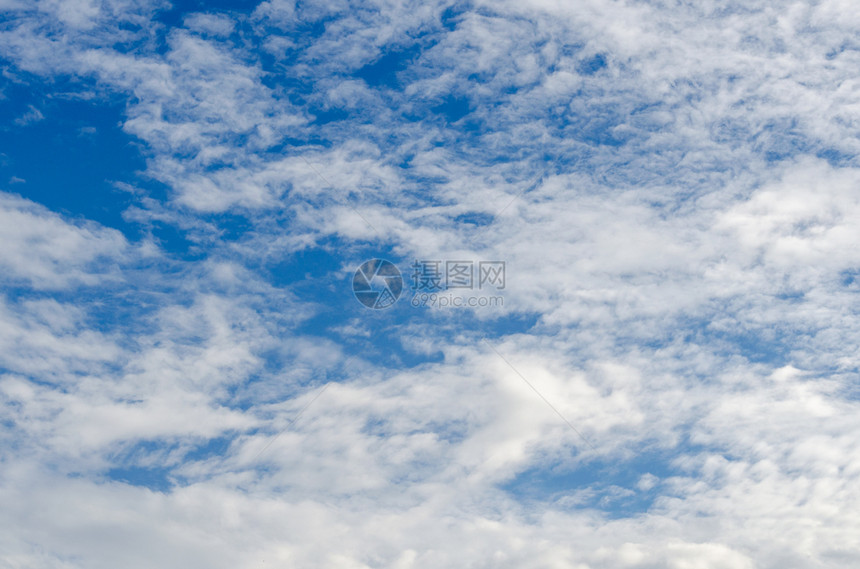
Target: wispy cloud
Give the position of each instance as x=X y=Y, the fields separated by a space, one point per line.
x=671 y=186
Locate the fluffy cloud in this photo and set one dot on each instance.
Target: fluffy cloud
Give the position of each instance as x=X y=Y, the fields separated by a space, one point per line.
x=43 y=251
x=670 y=382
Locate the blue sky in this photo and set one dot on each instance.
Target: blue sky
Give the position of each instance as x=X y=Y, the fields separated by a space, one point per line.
x=667 y=379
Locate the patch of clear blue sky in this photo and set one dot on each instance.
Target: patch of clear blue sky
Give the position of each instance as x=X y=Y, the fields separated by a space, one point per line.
x=174 y=15
x=608 y=484
x=69 y=159
x=139 y=469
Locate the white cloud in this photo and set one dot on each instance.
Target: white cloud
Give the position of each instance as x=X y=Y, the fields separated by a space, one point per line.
x=679 y=227
x=32 y=115
x=46 y=252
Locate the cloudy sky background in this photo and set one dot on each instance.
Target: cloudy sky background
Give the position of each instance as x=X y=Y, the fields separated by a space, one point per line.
x=187 y=380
